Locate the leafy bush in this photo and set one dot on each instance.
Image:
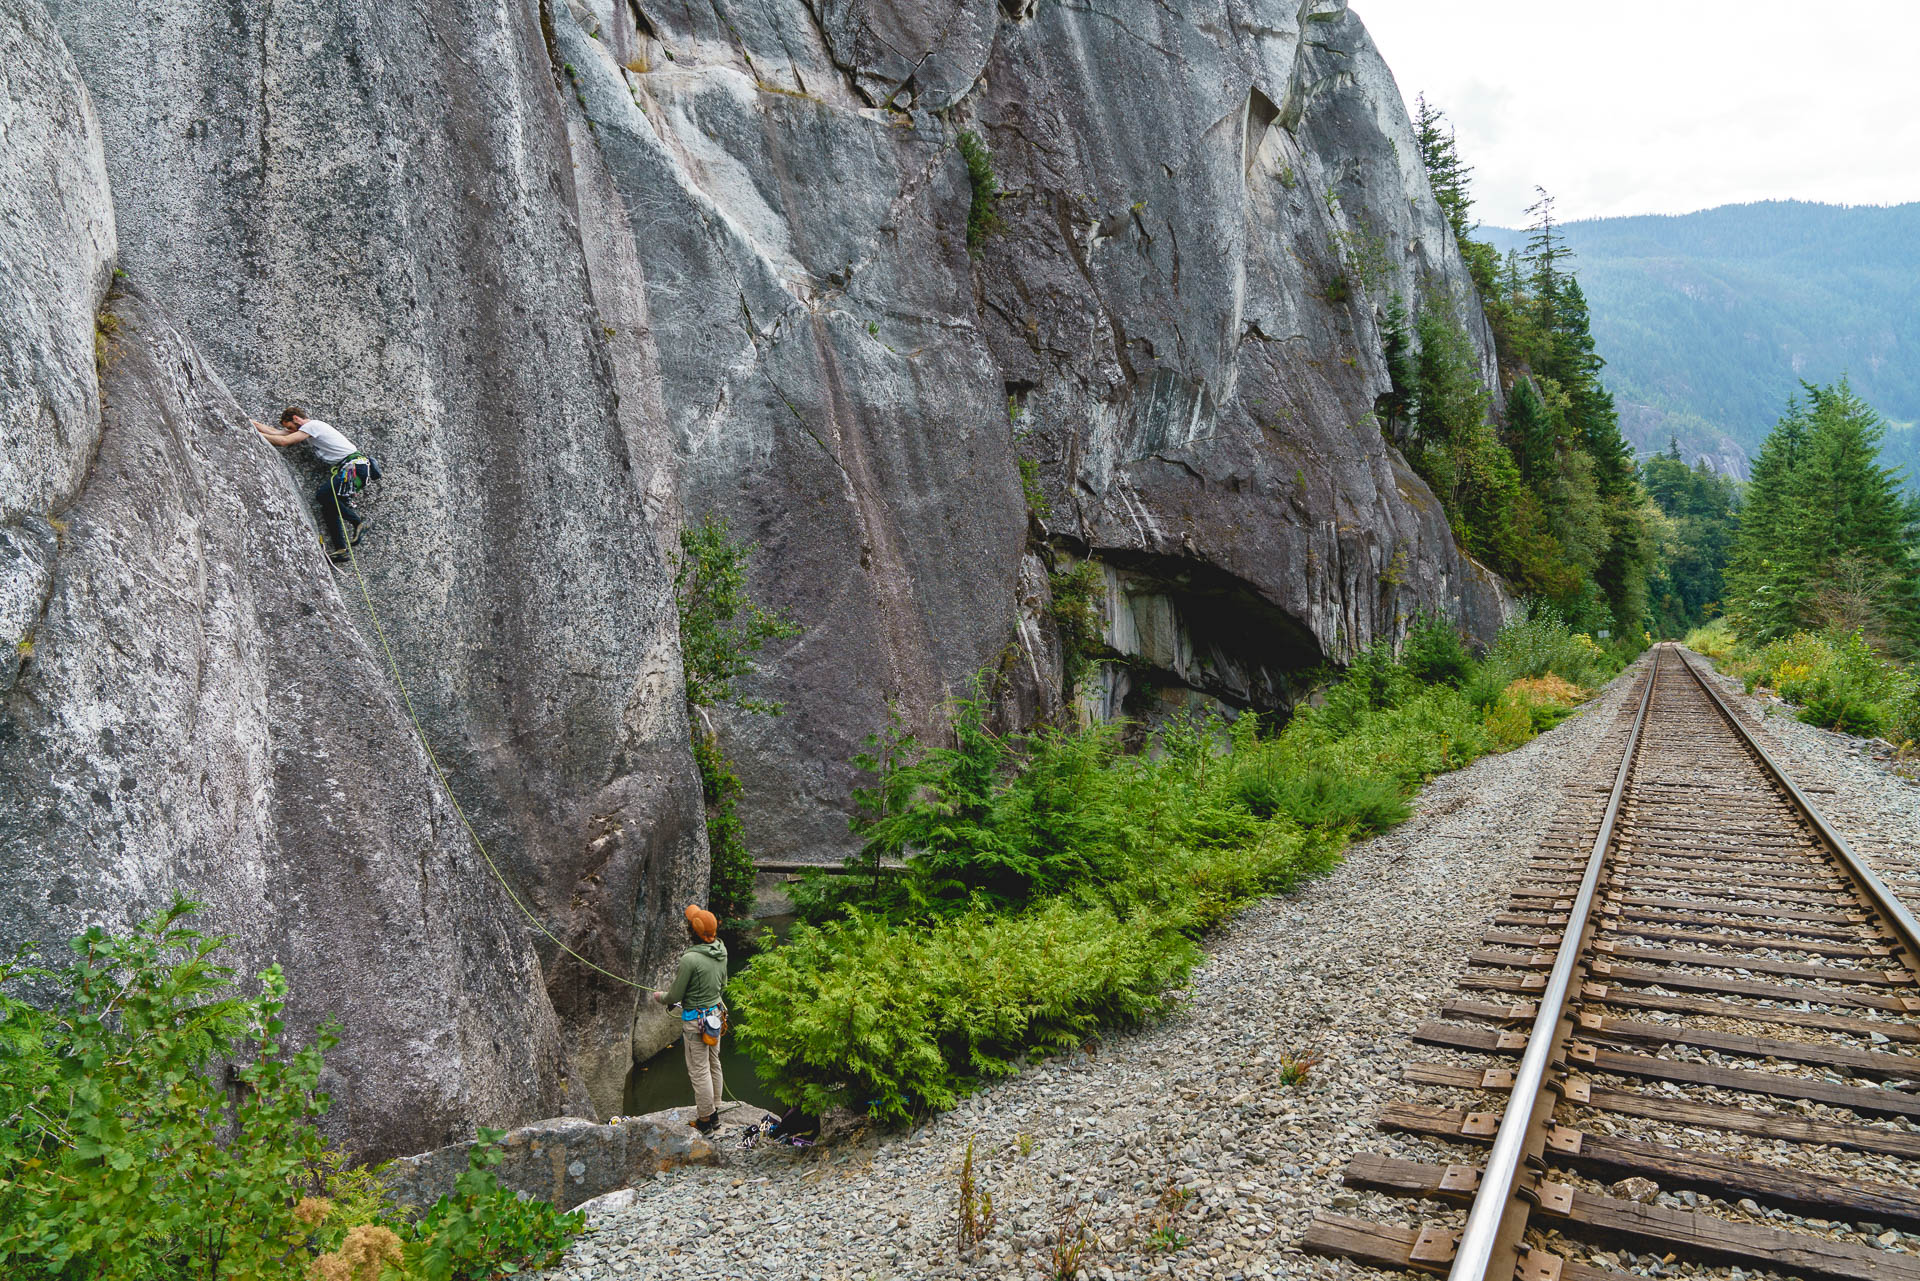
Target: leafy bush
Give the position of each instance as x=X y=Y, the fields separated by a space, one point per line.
x=466 y=1234
x=122 y=1158
x=1433 y=652
x=1840 y=681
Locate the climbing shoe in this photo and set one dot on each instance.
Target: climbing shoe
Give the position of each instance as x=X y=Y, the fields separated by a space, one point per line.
x=706 y=1124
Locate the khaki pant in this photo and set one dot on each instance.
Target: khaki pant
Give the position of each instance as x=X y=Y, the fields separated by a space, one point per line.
x=703 y=1066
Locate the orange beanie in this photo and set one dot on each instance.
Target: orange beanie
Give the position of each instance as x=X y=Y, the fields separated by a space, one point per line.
x=702 y=922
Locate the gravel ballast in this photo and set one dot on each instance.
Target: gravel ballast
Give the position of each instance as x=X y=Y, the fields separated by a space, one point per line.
x=1176 y=1150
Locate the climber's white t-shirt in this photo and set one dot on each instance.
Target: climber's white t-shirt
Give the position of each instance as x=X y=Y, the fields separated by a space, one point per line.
x=327 y=442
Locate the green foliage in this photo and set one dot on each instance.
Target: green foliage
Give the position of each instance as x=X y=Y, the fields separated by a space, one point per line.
x=1433 y=652
x=123 y=1159
x=731 y=874
x=1050 y=885
x=1825 y=541
x=112 y=1162
x=893 y=1022
x=721 y=626
x=1446 y=172
x=721 y=629
x=1078 y=614
x=1031 y=490
x=1699 y=514
x=465 y=1234
x=1840 y=680
x=983 y=218
x=1395 y=407
x=1540 y=643
x=1363 y=258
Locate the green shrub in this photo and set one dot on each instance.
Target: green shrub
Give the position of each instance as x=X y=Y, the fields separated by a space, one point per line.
x=1363 y=804
x=1540 y=643
x=122 y=1158
x=1840 y=681
x=1054 y=884
x=1434 y=654
x=983 y=218
x=894 y=1022
x=467 y=1233
x=1078 y=594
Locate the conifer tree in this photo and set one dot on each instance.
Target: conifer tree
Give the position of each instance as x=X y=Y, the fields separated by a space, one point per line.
x=1824 y=538
x=1396 y=406
x=1446 y=172
x=1530 y=431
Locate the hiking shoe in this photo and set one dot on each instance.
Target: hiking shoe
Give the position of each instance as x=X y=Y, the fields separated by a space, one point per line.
x=706 y=1124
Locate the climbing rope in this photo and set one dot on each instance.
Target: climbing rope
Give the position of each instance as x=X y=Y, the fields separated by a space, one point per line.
x=406 y=698
x=419 y=732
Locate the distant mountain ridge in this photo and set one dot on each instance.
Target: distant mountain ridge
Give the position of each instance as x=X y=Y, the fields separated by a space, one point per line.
x=1709 y=321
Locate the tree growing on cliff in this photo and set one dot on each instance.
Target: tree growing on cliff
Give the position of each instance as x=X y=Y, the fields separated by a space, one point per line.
x=722 y=628
x=1447 y=174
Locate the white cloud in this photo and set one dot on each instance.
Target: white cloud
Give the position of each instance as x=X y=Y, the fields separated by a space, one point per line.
x=1665 y=106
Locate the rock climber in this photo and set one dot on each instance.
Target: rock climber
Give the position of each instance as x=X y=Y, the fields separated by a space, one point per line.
x=348 y=471
x=697 y=989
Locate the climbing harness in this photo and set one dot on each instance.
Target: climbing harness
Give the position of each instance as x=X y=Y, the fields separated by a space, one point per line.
x=712 y=1020
x=351 y=474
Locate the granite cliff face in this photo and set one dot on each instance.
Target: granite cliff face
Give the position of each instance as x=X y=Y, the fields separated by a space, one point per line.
x=577 y=273
x=1205 y=213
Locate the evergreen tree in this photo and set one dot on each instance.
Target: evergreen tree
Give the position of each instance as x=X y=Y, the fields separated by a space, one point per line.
x=1824 y=541
x=1761 y=610
x=1446 y=172
x=1530 y=431
x=1395 y=408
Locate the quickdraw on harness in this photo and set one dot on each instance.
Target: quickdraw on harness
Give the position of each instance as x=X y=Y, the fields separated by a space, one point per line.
x=351 y=474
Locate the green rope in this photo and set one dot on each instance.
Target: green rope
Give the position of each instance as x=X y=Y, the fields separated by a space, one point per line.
x=406 y=697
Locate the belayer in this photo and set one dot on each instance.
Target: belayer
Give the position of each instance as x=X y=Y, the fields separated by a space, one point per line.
x=348 y=471
x=697 y=989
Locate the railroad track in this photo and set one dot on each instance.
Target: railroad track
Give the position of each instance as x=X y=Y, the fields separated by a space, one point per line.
x=1694 y=1034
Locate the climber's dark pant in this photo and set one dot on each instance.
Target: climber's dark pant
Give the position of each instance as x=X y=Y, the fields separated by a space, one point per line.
x=338 y=489
x=331 y=515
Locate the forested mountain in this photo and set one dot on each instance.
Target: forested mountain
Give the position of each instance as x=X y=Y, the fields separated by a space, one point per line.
x=1711 y=320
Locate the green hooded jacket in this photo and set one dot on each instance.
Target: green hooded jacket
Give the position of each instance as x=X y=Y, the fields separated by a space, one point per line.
x=701 y=978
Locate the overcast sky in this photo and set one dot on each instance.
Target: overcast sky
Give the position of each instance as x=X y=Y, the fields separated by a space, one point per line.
x=1637 y=106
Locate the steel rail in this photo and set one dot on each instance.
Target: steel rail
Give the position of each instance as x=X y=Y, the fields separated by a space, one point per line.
x=1881 y=898
x=1474 y=1254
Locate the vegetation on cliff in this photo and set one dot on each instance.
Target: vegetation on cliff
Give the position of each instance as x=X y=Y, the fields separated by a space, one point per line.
x=722 y=628
x=1549 y=497
x=1018 y=895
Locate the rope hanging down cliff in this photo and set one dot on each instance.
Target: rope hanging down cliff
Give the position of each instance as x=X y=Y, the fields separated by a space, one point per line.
x=406 y=699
